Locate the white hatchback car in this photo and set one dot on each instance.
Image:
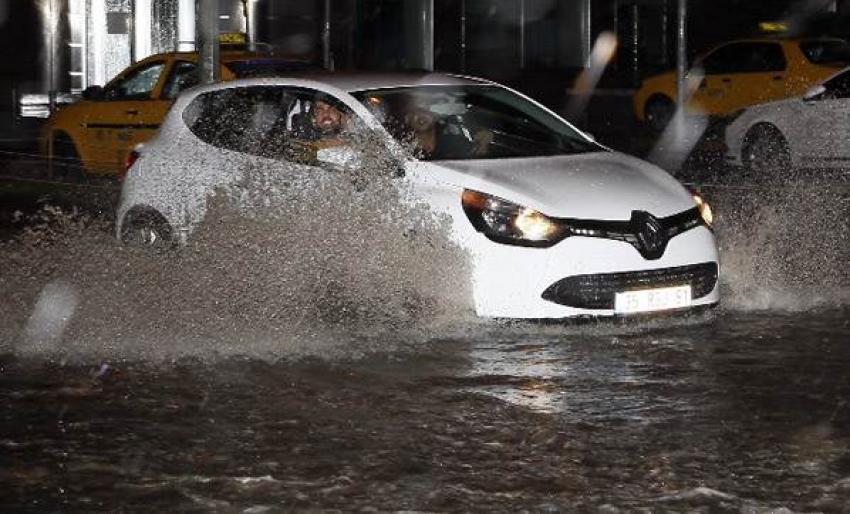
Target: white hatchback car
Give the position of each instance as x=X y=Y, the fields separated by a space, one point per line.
x=555 y=224
x=805 y=131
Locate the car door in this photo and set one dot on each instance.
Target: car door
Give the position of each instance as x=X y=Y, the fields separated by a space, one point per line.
x=740 y=74
x=718 y=66
x=761 y=76
x=824 y=125
x=130 y=112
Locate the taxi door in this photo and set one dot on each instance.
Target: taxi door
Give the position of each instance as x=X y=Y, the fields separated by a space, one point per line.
x=741 y=74
x=129 y=113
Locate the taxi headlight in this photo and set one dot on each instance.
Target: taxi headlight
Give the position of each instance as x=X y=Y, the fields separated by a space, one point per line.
x=509 y=223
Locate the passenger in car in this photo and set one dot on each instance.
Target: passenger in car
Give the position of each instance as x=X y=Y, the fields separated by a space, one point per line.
x=436 y=140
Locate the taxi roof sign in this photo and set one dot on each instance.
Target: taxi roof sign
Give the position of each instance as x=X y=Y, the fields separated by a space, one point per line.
x=773 y=26
x=232 y=38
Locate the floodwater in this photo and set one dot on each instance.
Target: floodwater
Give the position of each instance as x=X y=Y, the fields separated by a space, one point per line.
x=189 y=382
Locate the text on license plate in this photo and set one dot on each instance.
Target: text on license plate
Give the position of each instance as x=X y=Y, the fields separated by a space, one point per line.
x=652 y=299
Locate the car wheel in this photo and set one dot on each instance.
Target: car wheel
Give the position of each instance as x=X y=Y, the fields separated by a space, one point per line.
x=147 y=229
x=766 y=151
x=66 y=160
x=658 y=112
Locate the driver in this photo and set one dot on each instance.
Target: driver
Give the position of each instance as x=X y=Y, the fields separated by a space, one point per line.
x=325 y=126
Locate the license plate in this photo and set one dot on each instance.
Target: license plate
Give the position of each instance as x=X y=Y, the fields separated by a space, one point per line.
x=649 y=300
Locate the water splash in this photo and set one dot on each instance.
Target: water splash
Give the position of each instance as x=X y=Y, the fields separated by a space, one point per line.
x=784 y=245
x=326 y=266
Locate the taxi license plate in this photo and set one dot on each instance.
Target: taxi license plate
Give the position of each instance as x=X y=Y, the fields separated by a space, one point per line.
x=649 y=300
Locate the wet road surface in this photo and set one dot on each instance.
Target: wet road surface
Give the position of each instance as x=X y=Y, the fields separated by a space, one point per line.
x=729 y=412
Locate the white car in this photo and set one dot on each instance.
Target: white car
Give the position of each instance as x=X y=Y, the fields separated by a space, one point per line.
x=555 y=224
x=805 y=131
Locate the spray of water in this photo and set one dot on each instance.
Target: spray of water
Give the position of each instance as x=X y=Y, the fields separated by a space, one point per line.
x=785 y=246
x=329 y=265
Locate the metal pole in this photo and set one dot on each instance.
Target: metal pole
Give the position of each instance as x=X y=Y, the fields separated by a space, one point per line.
x=326 y=37
x=587 y=29
x=617 y=28
x=208 y=40
x=681 y=53
x=463 y=36
x=131 y=31
x=251 y=24
x=428 y=33
x=522 y=34
x=186 y=25
x=635 y=44
x=665 y=39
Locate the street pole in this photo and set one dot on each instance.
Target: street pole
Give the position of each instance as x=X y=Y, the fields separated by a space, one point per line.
x=681 y=54
x=186 y=13
x=208 y=41
x=326 y=37
x=428 y=34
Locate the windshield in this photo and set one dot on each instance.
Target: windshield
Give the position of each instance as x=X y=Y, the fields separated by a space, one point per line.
x=472 y=122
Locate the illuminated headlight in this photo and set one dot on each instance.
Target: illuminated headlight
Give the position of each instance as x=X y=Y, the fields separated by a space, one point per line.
x=704 y=208
x=506 y=222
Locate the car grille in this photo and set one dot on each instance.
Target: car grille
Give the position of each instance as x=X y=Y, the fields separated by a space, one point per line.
x=597 y=291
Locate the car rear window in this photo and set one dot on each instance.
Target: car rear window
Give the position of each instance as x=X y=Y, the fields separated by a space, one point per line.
x=267 y=67
x=826 y=51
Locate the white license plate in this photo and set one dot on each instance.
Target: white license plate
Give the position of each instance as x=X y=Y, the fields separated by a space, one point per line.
x=649 y=300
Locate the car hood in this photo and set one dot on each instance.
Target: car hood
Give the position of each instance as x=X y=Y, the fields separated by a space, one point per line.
x=598 y=185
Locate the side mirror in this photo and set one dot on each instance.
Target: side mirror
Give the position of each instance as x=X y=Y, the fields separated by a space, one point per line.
x=814 y=92
x=93 y=93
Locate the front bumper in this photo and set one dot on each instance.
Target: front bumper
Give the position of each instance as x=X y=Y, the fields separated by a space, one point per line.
x=511 y=281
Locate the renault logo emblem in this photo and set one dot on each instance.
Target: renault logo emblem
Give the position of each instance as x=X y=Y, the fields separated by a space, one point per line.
x=650 y=234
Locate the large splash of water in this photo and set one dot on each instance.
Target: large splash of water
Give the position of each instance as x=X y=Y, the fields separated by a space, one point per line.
x=784 y=245
x=332 y=265
x=345 y=267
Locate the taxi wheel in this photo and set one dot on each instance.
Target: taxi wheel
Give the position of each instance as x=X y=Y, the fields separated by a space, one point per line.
x=658 y=112
x=766 y=152
x=66 y=160
x=147 y=229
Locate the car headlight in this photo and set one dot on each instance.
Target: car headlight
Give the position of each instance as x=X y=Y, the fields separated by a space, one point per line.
x=509 y=223
x=704 y=208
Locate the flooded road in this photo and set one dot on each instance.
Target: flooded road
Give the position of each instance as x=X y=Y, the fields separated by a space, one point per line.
x=188 y=382
x=730 y=412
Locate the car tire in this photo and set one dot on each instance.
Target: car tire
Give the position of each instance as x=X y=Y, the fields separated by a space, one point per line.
x=66 y=160
x=765 y=152
x=658 y=112
x=147 y=229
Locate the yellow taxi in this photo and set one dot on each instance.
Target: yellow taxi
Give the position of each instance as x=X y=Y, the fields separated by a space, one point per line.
x=96 y=134
x=741 y=73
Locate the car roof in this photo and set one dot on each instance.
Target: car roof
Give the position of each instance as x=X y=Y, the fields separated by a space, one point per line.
x=361 y=81
x=778 y=39
x=226 y=56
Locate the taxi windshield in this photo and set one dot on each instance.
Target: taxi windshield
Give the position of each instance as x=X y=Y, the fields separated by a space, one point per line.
x=472 y=122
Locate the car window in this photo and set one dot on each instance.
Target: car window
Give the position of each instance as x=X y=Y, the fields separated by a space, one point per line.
x=745 y=57
x=270 y=121
x=472 y=122
x=837 y=87
x=183 y=76
x=137 y=85
x=826 y=51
